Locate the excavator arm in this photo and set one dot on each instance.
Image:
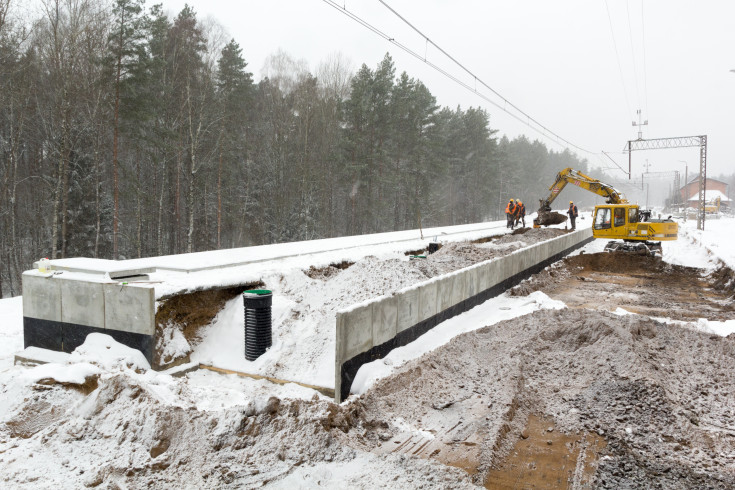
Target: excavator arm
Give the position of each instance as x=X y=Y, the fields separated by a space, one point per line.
x=571 y=176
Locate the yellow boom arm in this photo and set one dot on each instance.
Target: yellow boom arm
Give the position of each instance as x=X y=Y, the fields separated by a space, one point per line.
x=571 y=176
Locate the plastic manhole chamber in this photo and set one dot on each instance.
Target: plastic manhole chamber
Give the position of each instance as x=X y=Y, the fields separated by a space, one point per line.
x=258 y=321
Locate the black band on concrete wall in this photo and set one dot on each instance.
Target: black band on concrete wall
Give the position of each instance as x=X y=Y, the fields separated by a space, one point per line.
x=350 y=367
x=66 y=337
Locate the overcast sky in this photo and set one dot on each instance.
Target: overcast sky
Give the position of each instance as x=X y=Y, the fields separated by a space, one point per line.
x=555 y=60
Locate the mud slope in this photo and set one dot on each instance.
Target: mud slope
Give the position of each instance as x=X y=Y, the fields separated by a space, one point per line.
x=639 y=284
x=567 y=398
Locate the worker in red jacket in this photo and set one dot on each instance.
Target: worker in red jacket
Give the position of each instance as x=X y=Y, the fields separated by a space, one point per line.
x=510 y=213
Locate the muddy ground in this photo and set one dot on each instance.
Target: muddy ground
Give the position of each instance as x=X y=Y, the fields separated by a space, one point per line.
x=579 y=397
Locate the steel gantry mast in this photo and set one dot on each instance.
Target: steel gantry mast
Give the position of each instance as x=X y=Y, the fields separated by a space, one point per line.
x=678 y=142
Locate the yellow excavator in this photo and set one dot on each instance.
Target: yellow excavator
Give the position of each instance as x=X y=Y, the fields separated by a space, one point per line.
x=615 y=220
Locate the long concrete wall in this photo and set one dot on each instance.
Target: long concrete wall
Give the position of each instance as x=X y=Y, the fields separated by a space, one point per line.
x=370 y=330
x=59 y=311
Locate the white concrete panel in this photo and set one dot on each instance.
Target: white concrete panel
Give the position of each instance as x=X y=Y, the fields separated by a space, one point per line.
x=130 y=308
x=459 y=287
x=41 y=297
x=428 y=301
x=384 y=319
x=472 y=280
x=83 y=303
x=444 y=293
x=355 y=331
x=484 y=276
x=408 y=308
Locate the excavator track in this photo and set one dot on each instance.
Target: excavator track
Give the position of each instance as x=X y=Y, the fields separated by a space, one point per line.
x=651 y=249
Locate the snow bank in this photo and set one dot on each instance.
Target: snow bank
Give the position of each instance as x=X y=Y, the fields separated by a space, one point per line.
x=102 y=350
x=75 y=373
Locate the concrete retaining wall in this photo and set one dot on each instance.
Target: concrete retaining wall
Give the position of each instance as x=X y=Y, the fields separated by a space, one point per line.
x=59 y=311
x=370 y=330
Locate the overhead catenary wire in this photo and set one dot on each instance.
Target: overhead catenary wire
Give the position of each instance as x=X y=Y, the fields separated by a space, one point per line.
x=524 y=118
x=616 y=163
x=632 y=54
x=477 y=79
x=617 y=56
x=645 y=70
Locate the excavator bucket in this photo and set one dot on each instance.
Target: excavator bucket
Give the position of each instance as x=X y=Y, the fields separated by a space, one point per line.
x=546 y=218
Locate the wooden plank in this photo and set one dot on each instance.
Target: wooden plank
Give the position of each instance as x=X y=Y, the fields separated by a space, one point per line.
x=321 y=389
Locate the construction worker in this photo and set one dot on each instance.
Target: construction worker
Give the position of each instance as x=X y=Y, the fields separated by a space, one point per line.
x=510 y=212
x=520 y=212
x=573 y=213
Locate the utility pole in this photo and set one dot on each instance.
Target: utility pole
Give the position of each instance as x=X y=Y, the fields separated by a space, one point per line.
x=647 y=165
x=640 y=124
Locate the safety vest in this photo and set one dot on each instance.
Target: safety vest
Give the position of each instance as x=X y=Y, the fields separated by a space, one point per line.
x=510 y=208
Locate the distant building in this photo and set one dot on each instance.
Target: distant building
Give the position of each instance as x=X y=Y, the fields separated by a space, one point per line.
x=715 y=190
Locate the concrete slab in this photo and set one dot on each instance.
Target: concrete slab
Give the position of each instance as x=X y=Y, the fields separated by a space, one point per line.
x=408 y=308
x=41 y=297
x=115 y=269
x=385 y=315
x=473 y=279
x=83 y=303
x=427 y=304
x=459 y=287
x=444 y=293
x=354 y=332
x=130 y=308
x=484 y=276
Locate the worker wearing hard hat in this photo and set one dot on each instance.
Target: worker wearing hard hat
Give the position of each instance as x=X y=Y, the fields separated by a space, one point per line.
x=510 y=213
x=520 y=212
x=573 y=213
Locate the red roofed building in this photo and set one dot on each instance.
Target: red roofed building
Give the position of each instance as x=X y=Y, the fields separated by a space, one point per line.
x=691 y=190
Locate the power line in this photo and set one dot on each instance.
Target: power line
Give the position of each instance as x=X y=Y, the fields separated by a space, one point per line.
x=632 y=54
x=645 y=71
x=617 y=57
x=477 y=79
x=616 y=163
x=544 y=131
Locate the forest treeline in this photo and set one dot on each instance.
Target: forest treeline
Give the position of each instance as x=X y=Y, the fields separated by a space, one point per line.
x=125 y=133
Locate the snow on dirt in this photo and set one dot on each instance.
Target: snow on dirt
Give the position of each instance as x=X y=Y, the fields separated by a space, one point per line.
x=644 y=401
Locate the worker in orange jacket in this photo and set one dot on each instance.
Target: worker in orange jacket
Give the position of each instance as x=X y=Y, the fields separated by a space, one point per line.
x=520 y=212
x=510 y=214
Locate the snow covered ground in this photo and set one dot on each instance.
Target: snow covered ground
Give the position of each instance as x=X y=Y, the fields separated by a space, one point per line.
x=101 y=359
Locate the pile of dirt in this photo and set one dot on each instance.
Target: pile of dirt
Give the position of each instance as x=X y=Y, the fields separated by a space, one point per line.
x=458 y=255
x=325 y=273
x=723 y=279
x=645 y=404
x=127 y=435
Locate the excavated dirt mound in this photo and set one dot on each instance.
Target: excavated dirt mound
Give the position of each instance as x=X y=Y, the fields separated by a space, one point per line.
x=636 y=283
x=126 y=435
x=566 y=398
